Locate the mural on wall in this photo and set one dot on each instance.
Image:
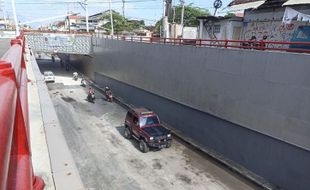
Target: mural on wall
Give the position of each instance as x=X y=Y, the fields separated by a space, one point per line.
x=272 y=31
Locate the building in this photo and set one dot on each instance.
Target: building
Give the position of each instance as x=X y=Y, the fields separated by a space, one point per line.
x=77 y=23
x=274 y=20
x=59 y=26
x=220 y=28
x=6 y=25
x=98 y=22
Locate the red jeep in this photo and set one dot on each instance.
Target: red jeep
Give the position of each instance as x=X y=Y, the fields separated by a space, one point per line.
x=144 y=126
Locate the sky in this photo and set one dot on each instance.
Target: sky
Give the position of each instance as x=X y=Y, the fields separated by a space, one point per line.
x=148 y=10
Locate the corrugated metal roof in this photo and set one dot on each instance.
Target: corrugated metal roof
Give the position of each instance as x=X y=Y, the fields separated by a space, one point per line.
x=241 y=7
x=272 y=3
x=296 y=2
x=237 y=2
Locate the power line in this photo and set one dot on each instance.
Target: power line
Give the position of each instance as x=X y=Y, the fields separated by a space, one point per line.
x=73 y=2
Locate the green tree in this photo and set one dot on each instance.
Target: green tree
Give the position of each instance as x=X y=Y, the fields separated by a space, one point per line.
x=120 y=23
x=229 y=15
x=190 y=16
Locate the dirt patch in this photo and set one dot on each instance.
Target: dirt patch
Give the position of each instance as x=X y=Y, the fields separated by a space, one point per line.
x=114 y=140
x=68 y=99
x=99 y=125
x=138 y=164
x=156 y=164
x=184 y=178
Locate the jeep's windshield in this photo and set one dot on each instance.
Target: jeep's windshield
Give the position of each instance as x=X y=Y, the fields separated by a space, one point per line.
x=145 y=121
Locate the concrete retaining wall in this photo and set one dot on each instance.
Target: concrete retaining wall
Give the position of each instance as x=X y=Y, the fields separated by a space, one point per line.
x=251 y=106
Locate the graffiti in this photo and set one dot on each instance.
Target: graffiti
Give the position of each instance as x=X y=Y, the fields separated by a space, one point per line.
x=270 y=30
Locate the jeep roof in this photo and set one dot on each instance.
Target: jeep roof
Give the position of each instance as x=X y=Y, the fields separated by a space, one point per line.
x=143 y=111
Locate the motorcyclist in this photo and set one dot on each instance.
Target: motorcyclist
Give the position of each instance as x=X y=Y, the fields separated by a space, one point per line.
x=91 y=91
x=83 y=81
x=75 y=75
x=107 y=90
x=108 y=94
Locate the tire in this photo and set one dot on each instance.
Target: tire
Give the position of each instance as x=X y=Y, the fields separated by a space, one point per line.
x=143 y=146
x=127 y=133
x=169 y=143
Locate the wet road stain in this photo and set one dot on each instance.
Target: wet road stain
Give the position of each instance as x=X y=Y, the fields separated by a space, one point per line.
x=138 y=164
x=156 y=164
x=68 y=99
x=184 y=178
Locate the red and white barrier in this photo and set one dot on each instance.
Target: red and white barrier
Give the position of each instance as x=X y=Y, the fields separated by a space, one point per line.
x=15 y=154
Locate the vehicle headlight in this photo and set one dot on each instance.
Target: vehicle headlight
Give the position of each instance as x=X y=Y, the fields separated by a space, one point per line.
x=169 y=135
x=151 y=138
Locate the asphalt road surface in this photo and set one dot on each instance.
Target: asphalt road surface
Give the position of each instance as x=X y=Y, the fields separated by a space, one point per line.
x=106 y=160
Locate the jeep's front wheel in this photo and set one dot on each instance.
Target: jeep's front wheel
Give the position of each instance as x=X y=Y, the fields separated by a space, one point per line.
x=143 y=146
x=168 y=144
x=127 y=133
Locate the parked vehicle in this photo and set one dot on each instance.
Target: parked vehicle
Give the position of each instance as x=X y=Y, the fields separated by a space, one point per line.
x=49 y=76
x=144 y=125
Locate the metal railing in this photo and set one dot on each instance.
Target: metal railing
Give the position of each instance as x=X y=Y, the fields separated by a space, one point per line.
x=298 y=47
x=15 y=154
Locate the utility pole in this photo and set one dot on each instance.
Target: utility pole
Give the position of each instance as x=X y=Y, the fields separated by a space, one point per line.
x=165 y=20
x=111 y=19
x=15 y=18
x=86 y=15
x=123 y=7
x=84 y=6
x=173 y=16
x=182 y=17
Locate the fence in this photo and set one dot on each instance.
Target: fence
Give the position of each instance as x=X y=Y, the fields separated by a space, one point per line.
x=298 y=47
x=15 y=154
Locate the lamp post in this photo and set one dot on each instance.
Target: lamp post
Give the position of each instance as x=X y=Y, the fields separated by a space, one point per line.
x=15 y=17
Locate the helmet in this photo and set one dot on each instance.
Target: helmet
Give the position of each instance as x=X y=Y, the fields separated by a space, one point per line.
x=107 y=88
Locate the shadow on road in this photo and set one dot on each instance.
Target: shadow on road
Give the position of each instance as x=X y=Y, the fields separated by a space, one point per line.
x=133 y=141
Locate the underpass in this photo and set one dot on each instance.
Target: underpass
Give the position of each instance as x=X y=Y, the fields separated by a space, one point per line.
x=106 y=160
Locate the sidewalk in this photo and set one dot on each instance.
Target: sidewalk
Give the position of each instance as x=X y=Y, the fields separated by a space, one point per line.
x=40 y=154
x=51 y=157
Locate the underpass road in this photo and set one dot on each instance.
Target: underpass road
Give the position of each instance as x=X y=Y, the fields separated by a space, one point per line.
x=106 y=160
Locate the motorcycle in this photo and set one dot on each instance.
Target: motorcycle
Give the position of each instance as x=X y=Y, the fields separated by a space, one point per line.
x=109 y=97
x=91 y=97
x=83 y=83
x=75 y=76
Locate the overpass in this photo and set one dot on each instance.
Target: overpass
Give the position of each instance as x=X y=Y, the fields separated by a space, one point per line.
x=65 y=43
x=239 y=104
